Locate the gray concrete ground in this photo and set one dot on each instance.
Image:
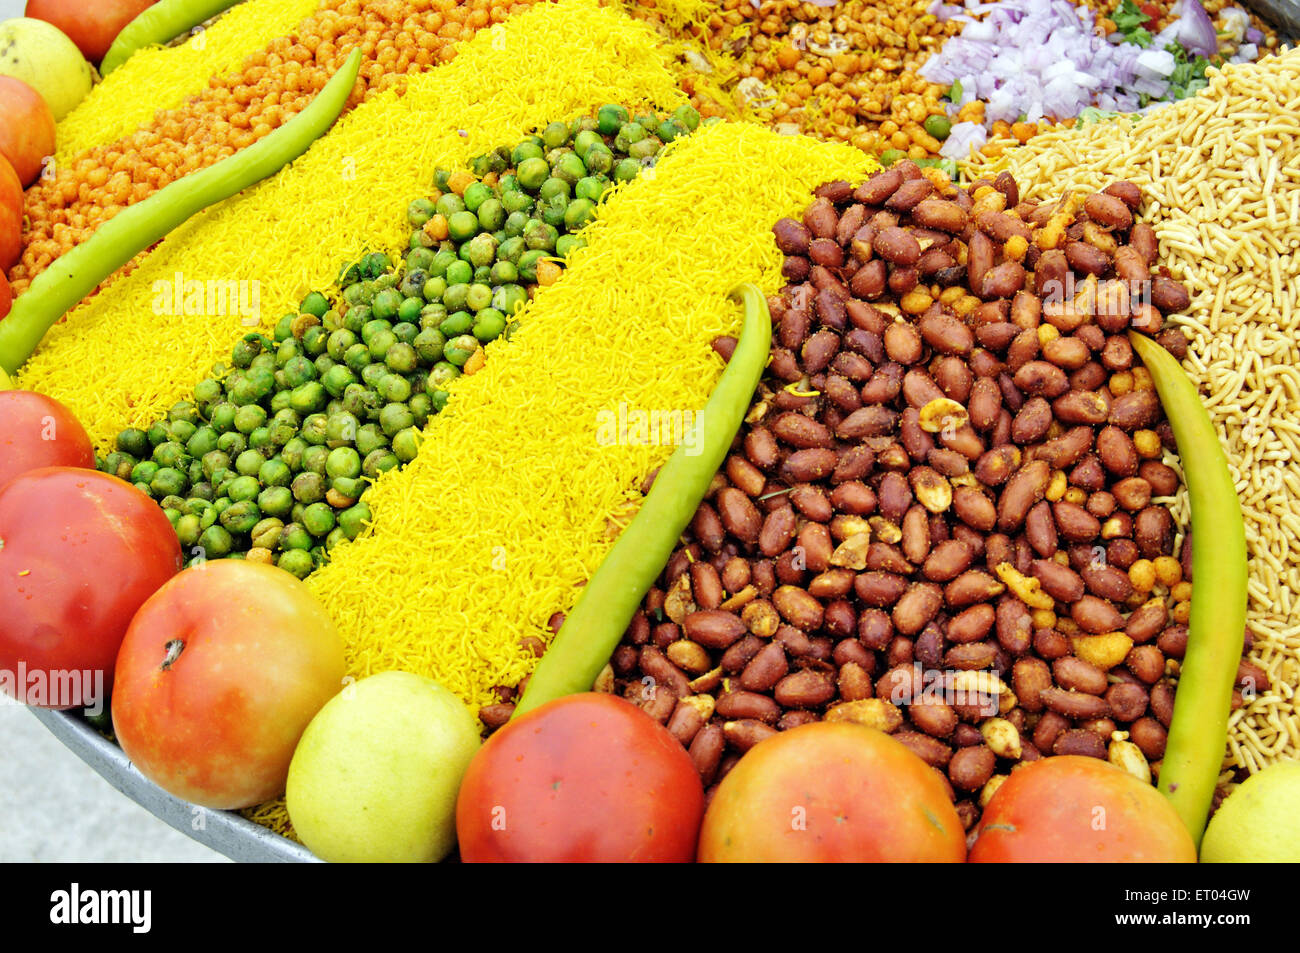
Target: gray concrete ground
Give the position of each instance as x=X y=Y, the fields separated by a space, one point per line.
x=53 y=808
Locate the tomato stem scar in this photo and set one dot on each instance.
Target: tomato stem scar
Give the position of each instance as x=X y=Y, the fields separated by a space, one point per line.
x=174 y=649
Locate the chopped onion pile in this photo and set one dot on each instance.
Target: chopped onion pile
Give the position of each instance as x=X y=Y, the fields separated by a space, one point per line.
x=1046 y=59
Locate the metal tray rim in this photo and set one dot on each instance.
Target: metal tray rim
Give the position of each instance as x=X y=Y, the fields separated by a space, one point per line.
x=224 y=831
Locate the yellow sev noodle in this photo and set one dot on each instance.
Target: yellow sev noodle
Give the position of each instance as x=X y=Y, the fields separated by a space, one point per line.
x=117 y=363
x=1221 y=178
x=162 y=77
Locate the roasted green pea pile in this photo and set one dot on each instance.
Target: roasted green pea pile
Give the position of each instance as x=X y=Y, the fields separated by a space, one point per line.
x=272 y=457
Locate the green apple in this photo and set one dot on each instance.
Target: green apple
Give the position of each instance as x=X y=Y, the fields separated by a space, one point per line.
x=377 y=771
x=42 y=56
x=1257 y=823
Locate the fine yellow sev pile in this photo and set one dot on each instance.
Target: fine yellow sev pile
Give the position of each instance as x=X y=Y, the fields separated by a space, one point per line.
x=161 y=78
x=1221 y=176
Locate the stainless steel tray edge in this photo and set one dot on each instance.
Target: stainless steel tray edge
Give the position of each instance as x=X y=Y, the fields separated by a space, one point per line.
x=224 y=831
x=1283 y=14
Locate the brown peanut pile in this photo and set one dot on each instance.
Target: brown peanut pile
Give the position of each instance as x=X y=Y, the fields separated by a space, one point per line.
x=946 y=514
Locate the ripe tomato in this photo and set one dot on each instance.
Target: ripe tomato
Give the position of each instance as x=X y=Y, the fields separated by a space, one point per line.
x=6 y=296
x=37 y=431
x=219 y=675
x=26 y=129
x=91 y=24
x=831 y=792
x=11 y=216
x=587 y=778
x=1076 y=809
x=79 y=552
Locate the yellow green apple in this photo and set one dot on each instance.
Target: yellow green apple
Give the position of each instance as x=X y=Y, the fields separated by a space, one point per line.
x=377 y=771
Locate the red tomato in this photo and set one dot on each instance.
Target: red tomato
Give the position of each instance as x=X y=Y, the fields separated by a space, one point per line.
x=80 y=551
x=26 y=129
x=218 y=677
x=831 y=792
x=6 y=300
x=11 y=216
x=587 y=778
x=91 y=24
x=1079 y=810
x=37 y=431
x=1153 y=15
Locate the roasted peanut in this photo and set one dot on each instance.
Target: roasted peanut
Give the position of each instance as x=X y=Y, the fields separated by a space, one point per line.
x=930 y=750
x=1109 y=210
x=908 y=195
x=1150 y=736
x=1080 y=741
x=804 y=466
x=743 y=735
x=791 y=237
x=748 y=705
x=970 y=768
x=854 y=682
x=1074 y=705
x=713 y=628
x=807 y=688
x=916 y=607
x=872 y=712
x=1025 y=488
x=798 y=608
x=970 y=587
x=1077 y=675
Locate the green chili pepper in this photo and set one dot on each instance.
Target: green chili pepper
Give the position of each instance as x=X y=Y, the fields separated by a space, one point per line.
x=159 y=25
x=1199 y=730
x=131 y=231
x=594 y=627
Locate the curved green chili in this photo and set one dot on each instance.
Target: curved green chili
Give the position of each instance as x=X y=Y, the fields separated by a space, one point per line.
x=593 y=629
x=1199 y=730
x=76 y=274
x=158 y=25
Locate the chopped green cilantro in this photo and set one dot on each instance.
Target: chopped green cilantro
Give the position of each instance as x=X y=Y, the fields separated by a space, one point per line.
x=1129 y=20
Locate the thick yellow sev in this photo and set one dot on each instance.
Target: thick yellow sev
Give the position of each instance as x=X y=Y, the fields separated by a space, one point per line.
x=1221 y=176
x=161 y=78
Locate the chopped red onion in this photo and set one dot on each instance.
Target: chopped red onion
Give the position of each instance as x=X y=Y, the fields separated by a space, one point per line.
x=1195 y=29
x=1233 y=23
x=961 y=139
x=1036 y=57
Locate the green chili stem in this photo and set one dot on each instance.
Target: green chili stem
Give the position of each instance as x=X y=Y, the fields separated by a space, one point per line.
x=74 y=275
x=1216 y=627
x=592 y=630
x=160 y=24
